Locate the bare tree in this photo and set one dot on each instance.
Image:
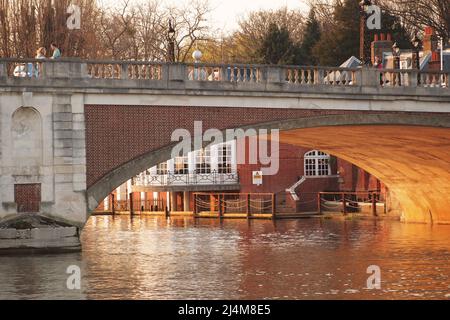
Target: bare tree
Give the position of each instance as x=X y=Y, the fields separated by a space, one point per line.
x=417 y=14
x=149 y=41
x=116 y=24
x=130 y=29
x=26 y=25
x=189 y=22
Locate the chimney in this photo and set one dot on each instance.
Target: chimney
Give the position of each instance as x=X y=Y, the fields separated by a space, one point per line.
x=430 y=45
x=430 y=40
x=381 y=43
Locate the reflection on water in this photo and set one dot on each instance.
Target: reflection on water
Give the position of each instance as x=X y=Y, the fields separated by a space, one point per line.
x=155 y=258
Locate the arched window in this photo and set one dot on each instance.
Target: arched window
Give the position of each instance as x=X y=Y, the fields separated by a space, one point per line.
x=317 y=164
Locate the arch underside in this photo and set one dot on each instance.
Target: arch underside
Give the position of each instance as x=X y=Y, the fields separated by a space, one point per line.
x=414 y=162
x=409 y=153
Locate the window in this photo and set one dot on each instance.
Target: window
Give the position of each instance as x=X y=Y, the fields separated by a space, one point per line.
x=181 y=165
x=224 y=158
x=161 y=169
x=203 y=161
x=317 y=164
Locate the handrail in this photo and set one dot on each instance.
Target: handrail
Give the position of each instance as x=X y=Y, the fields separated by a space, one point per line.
x=215 y=177
x=255 y=76
x=292 y=189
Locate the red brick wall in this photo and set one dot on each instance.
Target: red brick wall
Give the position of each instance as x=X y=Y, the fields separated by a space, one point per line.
x=117 y=134
x=27 y=197
x=291 y=168
x=291 y=165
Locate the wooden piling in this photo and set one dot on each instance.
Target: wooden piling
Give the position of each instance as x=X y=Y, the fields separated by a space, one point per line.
x=274 y=213
x=131 y=204
x=248 y=209
x=344 y=204
x=374 y=204
x=113 y=209
x=319 y=203
x=219 y=206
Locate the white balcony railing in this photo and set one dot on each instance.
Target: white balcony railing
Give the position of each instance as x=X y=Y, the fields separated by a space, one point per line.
x=187 y=179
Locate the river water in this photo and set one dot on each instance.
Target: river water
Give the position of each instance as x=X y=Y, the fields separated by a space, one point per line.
x=183 y=258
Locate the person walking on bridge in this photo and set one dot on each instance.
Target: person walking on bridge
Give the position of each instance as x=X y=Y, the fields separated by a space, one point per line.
x=40 y=54
x=56 y=51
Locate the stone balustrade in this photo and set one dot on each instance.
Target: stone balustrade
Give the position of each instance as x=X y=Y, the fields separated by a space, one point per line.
x=150 y=75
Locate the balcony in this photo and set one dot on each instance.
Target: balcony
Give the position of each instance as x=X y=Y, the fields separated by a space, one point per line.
x=192 y=181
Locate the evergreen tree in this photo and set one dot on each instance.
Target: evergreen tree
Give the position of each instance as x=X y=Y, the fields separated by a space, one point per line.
x=340 y=38
x=277 y=46
x=311 y=37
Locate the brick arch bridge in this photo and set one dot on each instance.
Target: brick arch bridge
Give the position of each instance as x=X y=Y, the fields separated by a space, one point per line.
x=409 y=152
x=101 y=122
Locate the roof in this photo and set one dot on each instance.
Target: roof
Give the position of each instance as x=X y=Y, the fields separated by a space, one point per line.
x=351 y=62
x=426 y=60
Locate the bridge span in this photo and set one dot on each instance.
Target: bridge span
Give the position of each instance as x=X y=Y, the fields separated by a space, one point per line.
x=72 y=130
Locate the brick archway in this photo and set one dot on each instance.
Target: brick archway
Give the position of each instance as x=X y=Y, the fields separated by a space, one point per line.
x=294 y=124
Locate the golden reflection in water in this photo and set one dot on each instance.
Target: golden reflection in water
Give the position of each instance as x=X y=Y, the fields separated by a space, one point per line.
x=183 y=258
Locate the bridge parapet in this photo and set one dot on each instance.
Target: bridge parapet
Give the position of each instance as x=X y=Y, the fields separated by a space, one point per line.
x=227 y=77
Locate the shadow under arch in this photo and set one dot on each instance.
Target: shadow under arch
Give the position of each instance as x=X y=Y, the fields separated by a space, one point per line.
x=410 y=153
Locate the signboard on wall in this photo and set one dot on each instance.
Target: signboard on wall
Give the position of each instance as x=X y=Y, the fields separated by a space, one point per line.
x=257 y=178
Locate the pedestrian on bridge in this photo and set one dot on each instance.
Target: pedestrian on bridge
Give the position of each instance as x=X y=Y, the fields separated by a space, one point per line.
x=56 y=51
x=40 y=54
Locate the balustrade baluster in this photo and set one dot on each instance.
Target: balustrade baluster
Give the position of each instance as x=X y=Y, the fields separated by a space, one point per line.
x=310 y=77
x=239 y=75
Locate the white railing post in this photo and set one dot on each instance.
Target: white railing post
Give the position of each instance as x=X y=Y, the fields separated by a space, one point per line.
x=3 y=69
x=413 y=78
x=124 y=71
x=177 y=72
x=318 y=76
x=370 y=77
x=275 y=74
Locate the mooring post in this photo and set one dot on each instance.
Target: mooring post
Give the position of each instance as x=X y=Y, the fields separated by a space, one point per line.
x=113 y=209
x=248 y=205
x=195 y=205
x=374 y=204
x=274 y=213
x=131 y=203
x=344 y=204
x=319 y=203
x=219 y=206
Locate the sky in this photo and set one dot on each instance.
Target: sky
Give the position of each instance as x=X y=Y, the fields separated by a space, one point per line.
x=226 y=13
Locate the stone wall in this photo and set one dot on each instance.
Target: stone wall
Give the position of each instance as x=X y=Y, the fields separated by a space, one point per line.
x=43 y=143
